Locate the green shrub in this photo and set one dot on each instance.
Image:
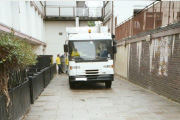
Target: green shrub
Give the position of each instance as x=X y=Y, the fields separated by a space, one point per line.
x=91 y=23
x=15 y=54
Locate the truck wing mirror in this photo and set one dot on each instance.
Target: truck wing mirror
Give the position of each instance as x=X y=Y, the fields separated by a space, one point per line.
x=65 y=48
x=113 y=36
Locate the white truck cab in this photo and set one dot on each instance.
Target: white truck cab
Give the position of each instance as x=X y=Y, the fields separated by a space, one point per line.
x=90 y=57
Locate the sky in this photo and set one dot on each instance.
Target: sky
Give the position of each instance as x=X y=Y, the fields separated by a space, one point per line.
x=94 y=3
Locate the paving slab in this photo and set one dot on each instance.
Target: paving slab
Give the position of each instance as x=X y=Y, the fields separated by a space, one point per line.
x=124 y=101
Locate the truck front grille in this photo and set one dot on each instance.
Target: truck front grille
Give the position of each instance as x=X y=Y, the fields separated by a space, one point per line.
x=92 y=71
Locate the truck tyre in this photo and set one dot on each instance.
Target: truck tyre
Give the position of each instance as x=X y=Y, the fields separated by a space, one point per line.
x=108 y=84
x=72 y=85
x=69 y=80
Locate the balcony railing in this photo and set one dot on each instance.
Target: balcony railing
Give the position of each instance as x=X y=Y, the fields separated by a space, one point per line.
x=38 y=6
x=154 y=16
x=57 y=11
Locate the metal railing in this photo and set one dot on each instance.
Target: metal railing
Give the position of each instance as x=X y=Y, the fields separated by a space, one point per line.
x=38 y=6
x=58 y=11
x=16 y=77
x=156 y=15
x=43 y=61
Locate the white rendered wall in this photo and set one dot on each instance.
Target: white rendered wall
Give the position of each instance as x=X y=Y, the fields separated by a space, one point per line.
x=15 y=15
x=5 y=13
x=38 y=49
x=109 y=25
x=21 y=16
x=121 y=61
x=55 y=42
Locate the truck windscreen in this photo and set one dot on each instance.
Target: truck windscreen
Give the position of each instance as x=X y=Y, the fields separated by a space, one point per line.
x=90 y=50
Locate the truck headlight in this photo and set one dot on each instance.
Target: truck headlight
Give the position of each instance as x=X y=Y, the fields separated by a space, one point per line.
x=74 y=67
x=108 y=66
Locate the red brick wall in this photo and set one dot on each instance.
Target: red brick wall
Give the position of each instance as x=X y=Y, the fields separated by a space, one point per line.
x=159 y=68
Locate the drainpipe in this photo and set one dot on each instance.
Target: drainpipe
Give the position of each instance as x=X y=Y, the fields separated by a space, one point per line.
x=112 y=19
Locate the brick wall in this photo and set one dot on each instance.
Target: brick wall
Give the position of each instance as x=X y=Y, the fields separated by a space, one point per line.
x=156 y=65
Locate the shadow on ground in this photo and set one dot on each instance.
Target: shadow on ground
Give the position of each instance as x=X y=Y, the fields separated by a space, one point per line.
x=90 y=86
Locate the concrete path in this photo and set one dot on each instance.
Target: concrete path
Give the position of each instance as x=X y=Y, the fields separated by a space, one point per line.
x=124 y=101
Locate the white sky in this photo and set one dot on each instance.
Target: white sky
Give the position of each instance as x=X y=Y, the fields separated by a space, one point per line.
x=94 y=3
x=124 y=9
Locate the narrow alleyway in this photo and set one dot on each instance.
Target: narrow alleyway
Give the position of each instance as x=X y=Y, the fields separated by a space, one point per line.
x=124 y=101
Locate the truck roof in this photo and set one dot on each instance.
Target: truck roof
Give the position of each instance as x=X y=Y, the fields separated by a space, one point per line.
x=90 y=36
x=97 y=29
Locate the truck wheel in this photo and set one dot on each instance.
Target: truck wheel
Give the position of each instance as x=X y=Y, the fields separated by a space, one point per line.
x=69 y=81
x=108 y=84
x=72 y=85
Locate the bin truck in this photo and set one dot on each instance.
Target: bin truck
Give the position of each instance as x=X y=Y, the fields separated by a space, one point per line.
x=90 y=54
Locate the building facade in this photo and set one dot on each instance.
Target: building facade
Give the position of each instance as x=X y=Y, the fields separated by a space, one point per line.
x=148 y=49
x=26 y=19
x=43 y=24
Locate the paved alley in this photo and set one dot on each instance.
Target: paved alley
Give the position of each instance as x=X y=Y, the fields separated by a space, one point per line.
x=124 y=101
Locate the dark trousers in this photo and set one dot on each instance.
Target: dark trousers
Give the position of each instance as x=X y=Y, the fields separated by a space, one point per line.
x=59 y=69
x=67 y=68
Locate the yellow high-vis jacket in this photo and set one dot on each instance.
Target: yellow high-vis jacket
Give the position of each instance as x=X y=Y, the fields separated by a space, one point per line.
x=75 y=53
x=58 y=61
x=66 y=61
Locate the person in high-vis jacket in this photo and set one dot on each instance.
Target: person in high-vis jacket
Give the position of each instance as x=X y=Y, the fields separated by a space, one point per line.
x=67 y=62
x=58 y=63
x=75 y=53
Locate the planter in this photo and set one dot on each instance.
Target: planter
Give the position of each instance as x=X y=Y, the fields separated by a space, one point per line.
x=40 y=80
x=21 y=96
x=36 y=86
x=20 y=102
x=10 y=114
x=2 y=108
x=46 y=74
x=25 y=97
x=17 y=102
x=52 y=71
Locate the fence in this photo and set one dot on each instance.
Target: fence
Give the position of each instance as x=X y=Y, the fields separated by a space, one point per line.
x=57 y=11
x=40 y=80
x=25 y=87
x=156 y=15
x=40 y=75
x=16 y=77
x=44 y=61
